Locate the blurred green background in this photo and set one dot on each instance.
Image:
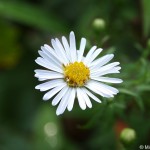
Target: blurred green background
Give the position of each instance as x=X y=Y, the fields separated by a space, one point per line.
x=28 y=123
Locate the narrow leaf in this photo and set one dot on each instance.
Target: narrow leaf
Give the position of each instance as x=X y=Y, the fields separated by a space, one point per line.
x=32 y=16
x=146 y=18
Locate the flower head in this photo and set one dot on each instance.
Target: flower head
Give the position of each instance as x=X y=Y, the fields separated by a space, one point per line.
x=68 y=74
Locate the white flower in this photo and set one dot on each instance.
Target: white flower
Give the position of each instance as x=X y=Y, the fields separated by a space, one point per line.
x=69 y=74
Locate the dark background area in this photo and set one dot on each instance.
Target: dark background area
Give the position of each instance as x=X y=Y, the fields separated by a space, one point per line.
x=27 y=122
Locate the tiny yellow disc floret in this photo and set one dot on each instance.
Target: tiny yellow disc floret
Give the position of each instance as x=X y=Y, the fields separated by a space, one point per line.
x=76 y=74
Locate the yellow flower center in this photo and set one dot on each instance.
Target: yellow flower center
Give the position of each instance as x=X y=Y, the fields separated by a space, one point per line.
x=76 y=74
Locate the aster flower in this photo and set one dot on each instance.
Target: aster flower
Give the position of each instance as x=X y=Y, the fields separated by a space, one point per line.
x=69 y=74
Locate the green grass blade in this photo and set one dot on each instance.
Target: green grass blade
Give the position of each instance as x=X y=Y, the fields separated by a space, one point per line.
x=32 y=16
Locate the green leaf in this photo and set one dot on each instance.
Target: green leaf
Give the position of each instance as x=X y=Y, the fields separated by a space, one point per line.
x=146 y=18
x=143 y=88
x=134 y=94
x=125 y=91
x=98 y=113
x=32 y=16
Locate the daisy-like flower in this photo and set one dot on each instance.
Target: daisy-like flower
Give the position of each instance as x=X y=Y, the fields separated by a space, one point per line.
x=68 y=74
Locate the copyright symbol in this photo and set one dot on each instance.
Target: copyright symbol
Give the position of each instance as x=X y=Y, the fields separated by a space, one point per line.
x=141 y=147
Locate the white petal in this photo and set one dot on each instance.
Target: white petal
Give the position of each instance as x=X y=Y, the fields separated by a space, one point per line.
x=101 y=61
x=38 y=71
x=49 y=75
x=110 y=88
x=109 y=71
x=50 y=84
x=71 y=100
x=107 y=79
x=44 y=63
x=91 y=95
x=81 y=49
x=63 y=103
x=86 y=98
x=104 y=68
x=88 y=56
x=73 y=46
x=43 y=77
x=103 y=88
x=50 y=58
x=80 y=99
x=50 y=52
x=94 y=55
x=52 y=92
x=46 y=74
x=67 y=48
x=62 y=50
x=59 y=52
x=59 y=96
x=98 y=91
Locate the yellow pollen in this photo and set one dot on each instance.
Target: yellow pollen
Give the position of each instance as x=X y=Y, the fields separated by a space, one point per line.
x=76 y=74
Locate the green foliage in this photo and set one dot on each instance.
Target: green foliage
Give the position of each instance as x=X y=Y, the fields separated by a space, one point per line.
x=32 y=15
x=28 y=123
x=146 y=18
x=10 y=53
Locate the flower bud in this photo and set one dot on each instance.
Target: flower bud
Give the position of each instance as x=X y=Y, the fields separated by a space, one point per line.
x=127 y=136
x=98 y=24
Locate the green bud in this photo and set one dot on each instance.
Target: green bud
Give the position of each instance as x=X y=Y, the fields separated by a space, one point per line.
x=127 y=136
x=99 y=24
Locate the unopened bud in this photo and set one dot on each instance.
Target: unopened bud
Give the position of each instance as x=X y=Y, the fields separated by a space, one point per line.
x=99 y=24
x=128 y=136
